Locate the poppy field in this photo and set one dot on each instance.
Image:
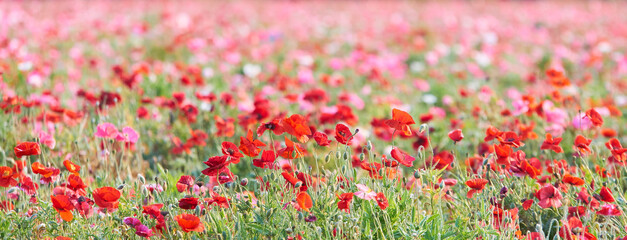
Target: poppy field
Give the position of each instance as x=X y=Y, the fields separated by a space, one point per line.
x=313 y=120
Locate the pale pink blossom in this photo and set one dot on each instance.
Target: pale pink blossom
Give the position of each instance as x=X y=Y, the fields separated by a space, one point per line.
x=106 y=130
x=128 y=134
x=365 y=192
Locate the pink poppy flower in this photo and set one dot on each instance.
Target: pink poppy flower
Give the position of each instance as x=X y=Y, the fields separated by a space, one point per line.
x=365 y=192
x=128 y=134
x=106 y=130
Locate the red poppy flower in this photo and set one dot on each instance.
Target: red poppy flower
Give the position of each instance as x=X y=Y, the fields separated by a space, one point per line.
x=573 y=230
x=291 y=150
x=250 y=146
x=345 y=201
x=64 y=206
x=527 y=204
x=609 y=210
x=400 y=121
x=7 y=177
x=442 y=160
x=179 y=147
x=218 y=200
x=216 y=165
x=321 y=139
x=572 y=180
x=476 y=186
x=231 y=150
x=491 y=133
x=549 y=196
x=609 y=133
x=510 y=138
x=198 y=138
x=153 y=210
x=76 y=183
x=304 y=201
x=582 y=144
x=184 y=183
x=189 y=223
x=266 y=160
x=343 y=134
x=290 y=178
x=606 y=195
x=46 y=172
x=456 y=135
x=503 y=153
x=557 y=78
x=618 y=152
x=226 y=128
x=372 y=168
x=530 y=170
x=107 y=197
x=402 y=157
x=594 y=117
x=273 y=126
x=70 y=166
x=296 y=125
x=382 y=201
x=188 y=203
x=27 y=149
x=6 y=205
x=551 y=143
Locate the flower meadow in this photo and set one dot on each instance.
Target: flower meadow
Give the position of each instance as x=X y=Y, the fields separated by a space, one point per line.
x=313 y=120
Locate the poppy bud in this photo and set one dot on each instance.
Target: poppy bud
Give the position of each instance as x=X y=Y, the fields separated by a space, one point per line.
x=141 y=178
x=244 y=182
x=327 y=158
x=40 y=227
x=337 y=155
x=339 y=217
x=345 y=156
x=12 y=190
x=419 y=155
x=369 y=145
x=361 y=157
x=423 y=127
x=416 y=174
x=298 y=184
x=120 y=187
x=216 y=188
x=288 y=231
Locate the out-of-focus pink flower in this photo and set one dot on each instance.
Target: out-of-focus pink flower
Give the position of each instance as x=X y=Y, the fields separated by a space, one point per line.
x=581 y=122
x=365 y=192
x=128 y=134
x=520 y=107
x=106 y=130
x=47 y=139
